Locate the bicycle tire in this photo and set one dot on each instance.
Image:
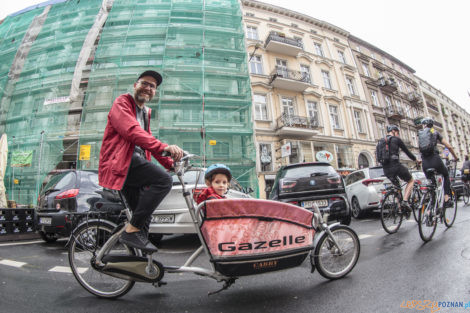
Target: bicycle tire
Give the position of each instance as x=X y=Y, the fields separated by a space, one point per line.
x=466 y=194
x=451 y=213
x=415 y=199
x=390 y=218
x=86 y=240
x=329 y=263
x=427 y=221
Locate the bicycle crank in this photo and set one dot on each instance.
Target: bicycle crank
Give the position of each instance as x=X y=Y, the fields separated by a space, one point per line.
x=132 y=267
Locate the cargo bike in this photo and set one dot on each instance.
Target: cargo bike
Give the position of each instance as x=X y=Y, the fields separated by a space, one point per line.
x=240 y=237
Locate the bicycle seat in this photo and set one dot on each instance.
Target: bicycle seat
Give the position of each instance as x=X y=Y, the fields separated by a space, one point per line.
x=431 y=171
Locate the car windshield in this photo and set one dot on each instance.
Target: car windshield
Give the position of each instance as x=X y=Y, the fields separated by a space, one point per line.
x=309 y=171
x=190 y=178
x=376 y=172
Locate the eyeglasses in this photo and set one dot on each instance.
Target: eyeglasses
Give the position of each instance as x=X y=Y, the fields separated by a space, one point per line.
x=147 y=84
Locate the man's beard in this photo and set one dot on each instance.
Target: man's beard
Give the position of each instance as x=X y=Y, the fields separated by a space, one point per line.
x=141 y=97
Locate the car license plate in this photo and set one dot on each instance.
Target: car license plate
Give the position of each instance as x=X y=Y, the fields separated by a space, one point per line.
x=164 y=219
x=320 y=203
x=45 y=220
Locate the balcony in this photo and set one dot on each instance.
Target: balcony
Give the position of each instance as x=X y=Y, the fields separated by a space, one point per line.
x=394 y=112
x=432 y=106
x=299 y=126
x=387 y=84
x=277 y=42
x=436 y=123
x=414 y=98
x=290 y=80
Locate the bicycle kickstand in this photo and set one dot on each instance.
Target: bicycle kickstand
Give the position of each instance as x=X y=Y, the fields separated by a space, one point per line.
x=229 y=282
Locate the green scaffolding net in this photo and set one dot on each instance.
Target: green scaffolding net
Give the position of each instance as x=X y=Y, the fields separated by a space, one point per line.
x=83 y=54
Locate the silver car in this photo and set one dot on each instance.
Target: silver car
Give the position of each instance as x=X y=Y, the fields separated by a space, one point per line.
x=172 y=215
x=364 y=189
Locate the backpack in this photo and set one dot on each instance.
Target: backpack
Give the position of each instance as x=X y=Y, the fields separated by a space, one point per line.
x=427 y=141
x=382 y=150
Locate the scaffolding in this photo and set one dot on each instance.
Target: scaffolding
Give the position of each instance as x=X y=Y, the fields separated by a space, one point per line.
x=88 y=52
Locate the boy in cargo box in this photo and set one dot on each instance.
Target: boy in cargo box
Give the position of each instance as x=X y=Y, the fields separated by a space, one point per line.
x=217 y=179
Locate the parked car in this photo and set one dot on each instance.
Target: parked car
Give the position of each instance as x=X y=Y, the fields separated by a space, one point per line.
x=67 y=194
x=172 y=215
x=457 y=183
x=304 y=184
x=64 y=194
x=364 y=189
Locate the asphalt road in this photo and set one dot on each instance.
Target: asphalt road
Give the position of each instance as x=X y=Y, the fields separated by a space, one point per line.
x=392 y=272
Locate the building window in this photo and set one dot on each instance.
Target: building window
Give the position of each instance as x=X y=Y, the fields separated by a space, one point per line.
x=272 y=19
x=221 y=150
x=294 y=25
x=381 y=129
x=342 y=57
x=265 y=157
x=250 y=14
x=318 y=49
x=261 y=110
x=334 y=117
x=307 y=153
x=388 y=102
x=326 y=79
x=357 y=119
x=365 y=69
x=312 y=110
x=375 y=98
x=194 y=147
x=351 y=85
x=305 y=70
x=256 y=66
x=252 y=33
x=288 y=106
x=281 y=68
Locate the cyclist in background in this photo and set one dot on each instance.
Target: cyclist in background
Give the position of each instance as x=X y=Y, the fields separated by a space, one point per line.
x=393 y=168
x=434 y=160
x=466 y=170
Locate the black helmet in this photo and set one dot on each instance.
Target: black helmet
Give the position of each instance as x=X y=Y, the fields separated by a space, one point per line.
x=216 y=169
x=428 y=121
x=392 y=127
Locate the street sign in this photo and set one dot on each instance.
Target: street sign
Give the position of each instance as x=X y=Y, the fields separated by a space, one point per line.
x=324 y=156
x=85 y=152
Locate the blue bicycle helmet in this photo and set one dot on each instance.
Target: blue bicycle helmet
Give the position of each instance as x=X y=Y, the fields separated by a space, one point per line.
x=218 y=169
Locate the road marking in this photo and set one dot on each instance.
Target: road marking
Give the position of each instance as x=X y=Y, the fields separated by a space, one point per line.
x=20 y=243
x=12 y=263
x=364 y=236
x=66 y=269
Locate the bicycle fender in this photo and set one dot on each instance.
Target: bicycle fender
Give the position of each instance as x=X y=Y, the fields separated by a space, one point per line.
x=322 y=233
x=72 y=235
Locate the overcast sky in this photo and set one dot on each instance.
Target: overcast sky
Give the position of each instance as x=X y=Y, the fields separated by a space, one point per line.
x=430 y=36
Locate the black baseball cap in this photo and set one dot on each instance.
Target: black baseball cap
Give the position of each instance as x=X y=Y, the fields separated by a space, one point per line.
x=153 y=74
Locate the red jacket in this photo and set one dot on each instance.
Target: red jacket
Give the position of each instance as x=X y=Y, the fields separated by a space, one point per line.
x=121 y=135
x=208 y=194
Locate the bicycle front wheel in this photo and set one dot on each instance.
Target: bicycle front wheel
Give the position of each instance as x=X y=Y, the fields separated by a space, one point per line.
x=415 y=199
x=427 y=220
x=85 y=243
x=389 y=216
x=332 y=261
x=451 y=213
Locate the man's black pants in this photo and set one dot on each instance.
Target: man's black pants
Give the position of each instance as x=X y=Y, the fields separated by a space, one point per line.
x=145 y=187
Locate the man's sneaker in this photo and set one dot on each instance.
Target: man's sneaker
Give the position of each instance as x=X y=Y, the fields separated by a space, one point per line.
x=449 y=203
x=406 y=209
x=137 y=240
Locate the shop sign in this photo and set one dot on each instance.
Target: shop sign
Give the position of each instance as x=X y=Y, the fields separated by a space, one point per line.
x=286 y=150
x=324 y=156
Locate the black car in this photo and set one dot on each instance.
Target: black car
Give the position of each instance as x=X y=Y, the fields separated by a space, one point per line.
x=457 y=183
x=304 y=184
x=65 y=198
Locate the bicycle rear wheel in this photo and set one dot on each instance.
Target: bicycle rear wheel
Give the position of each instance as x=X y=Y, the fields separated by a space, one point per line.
x=451 y=213
x=389 y=216
x=466 y=194
x=327 y=258
x=427 y=220
x=415 y=199
x=86 y=241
